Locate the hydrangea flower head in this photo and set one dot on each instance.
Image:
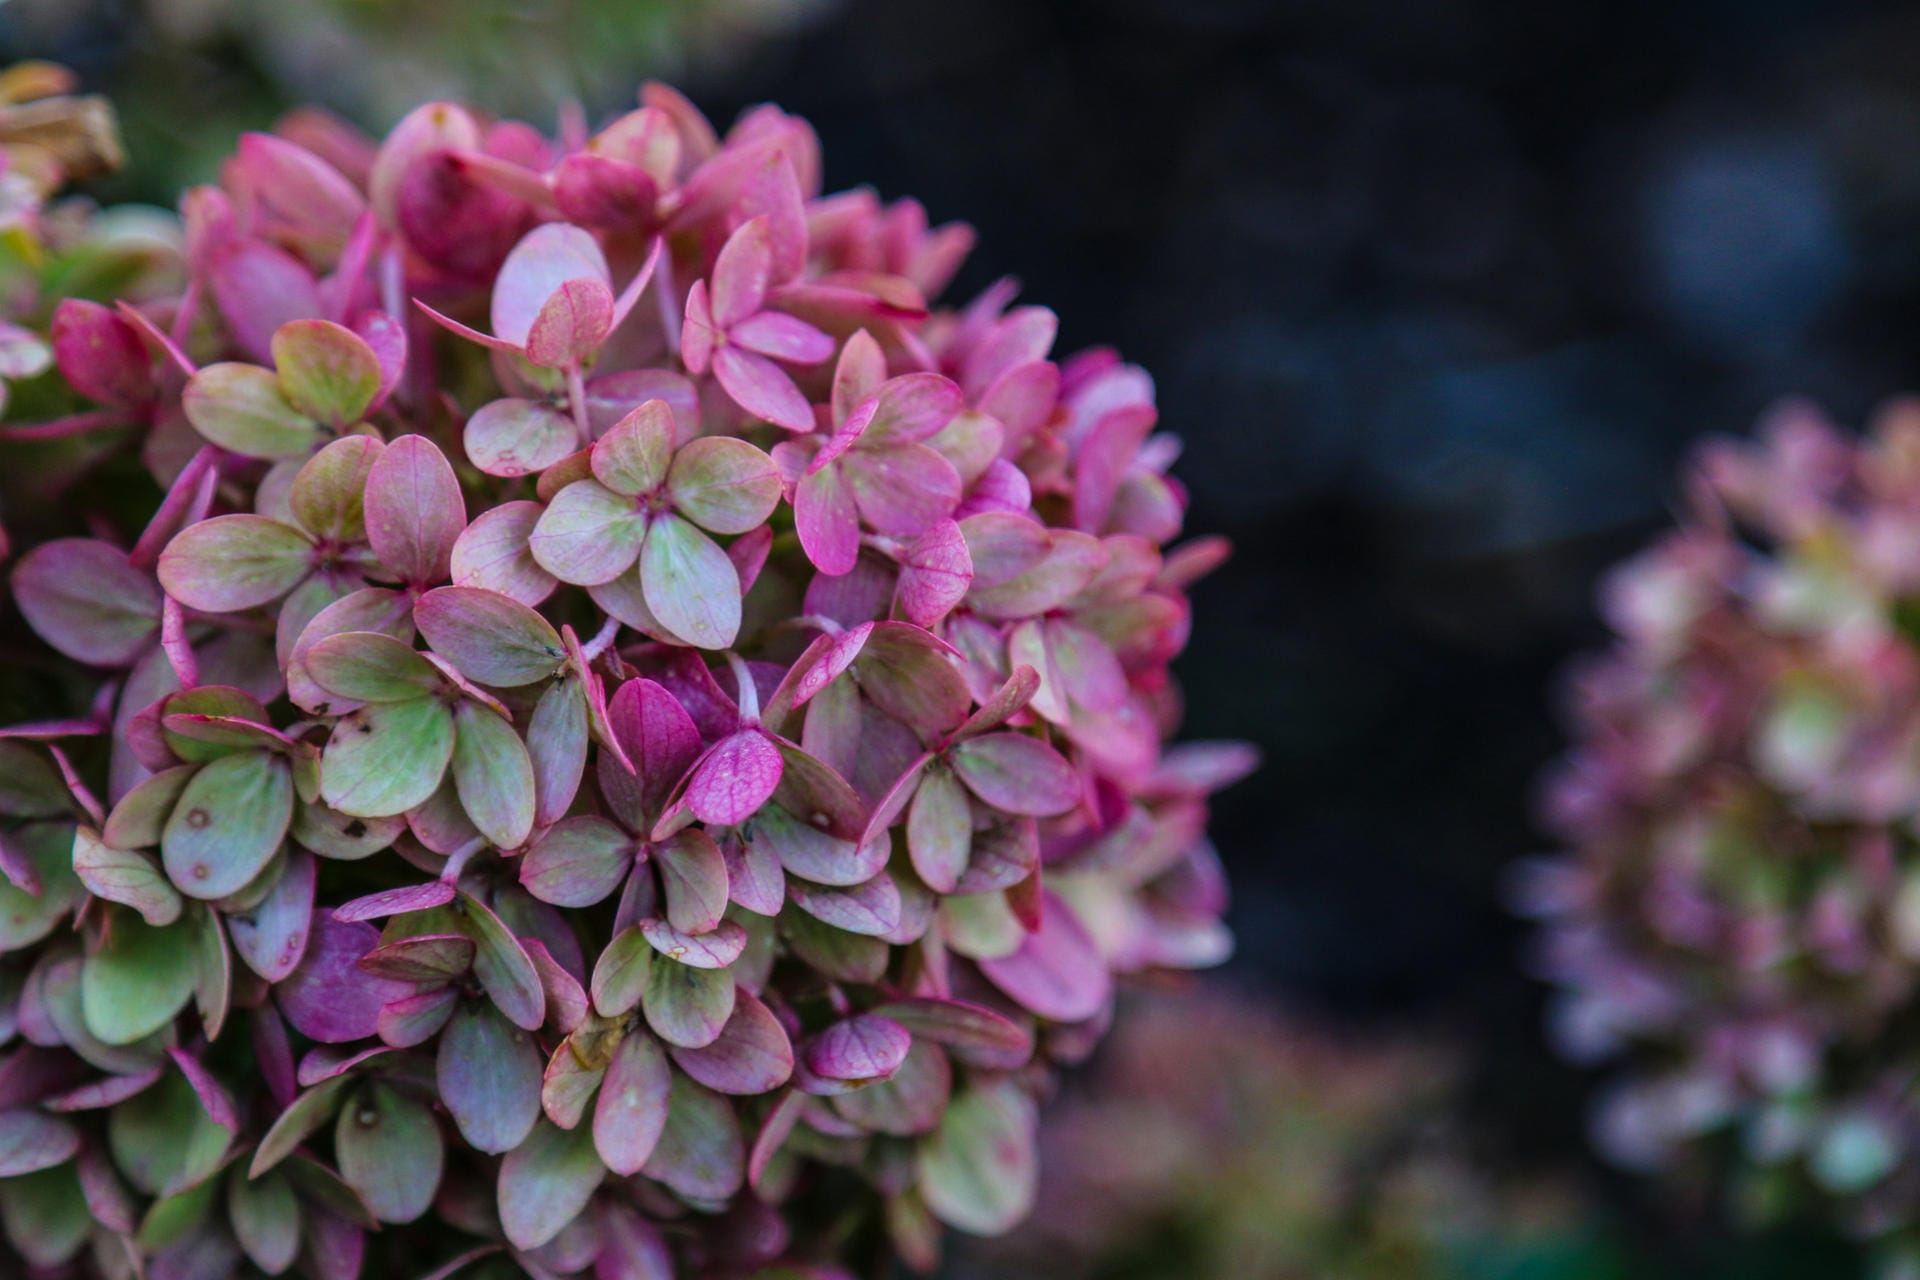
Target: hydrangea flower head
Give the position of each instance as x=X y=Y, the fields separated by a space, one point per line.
x=619 y=737
x=1736 y=923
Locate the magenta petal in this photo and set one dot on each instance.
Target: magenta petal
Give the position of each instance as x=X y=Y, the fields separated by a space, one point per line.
x=632 y=1107
x=863 y=1048
x=100 y=354
x=660 y=739
x=935 y=572
x=741 y=274
x=712 y=950
x=784 y=337
x=753 y=1054
x=762 y=388
x=327 y=997
x=393 y=902
x=827 y=522
x=736 y=776
x=1058 y=971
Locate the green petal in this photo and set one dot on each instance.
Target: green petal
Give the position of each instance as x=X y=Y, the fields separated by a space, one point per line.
x=386 y=758
x=368 y=666
x=139 y=980
x=546 y=1181
x=493 y=775
x=389 y=1150
x=689 y=584
x=326 y=371
x=230 y=563
x=977 y=1171
x=227 y=823
x=240 y=407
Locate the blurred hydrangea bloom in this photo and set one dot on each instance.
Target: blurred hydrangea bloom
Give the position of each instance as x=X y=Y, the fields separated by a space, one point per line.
x=580 y=725
x=1213 y=1139
x=1737 y=922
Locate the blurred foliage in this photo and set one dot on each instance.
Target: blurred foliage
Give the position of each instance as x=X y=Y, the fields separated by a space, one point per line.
x=189 y=75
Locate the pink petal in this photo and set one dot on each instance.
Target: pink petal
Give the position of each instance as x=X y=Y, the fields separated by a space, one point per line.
x=861 y=369
x=935 y=572
x=632 y=1108
x=913 y=407
x=1017 y=773
x=259 y=288
x=1058 y=972
x=825 y=517
x=784 y=337
x=762 y=388
x=415 y=511
x=736 y=776
x=752 y=1055
x=572 y=324
x=902 y=491
x=741 y=274
x=698 y=333
x=545 y=260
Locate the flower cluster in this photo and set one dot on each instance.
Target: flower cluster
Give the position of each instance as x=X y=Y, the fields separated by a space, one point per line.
x=619 y=740
x=1738 y=918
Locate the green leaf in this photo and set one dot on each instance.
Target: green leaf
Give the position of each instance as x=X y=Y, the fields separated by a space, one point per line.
x=368 y=666
x=689 y=584
x=124 y=876
x=489 y=1073
x=493 y=775
x=46 y=1215
x=29 y=787
x=503 y=966
x=240 y=407
x=302 y=1118
x=724 y=485
x=327 y=372
x=32 y=1140
x=386 y=758
x=620 y=974
x=978 y=1170
x=266 y=1219
x=138 y=980
x=228 y=822
x=588 y=534
x=163 y=1139
x=546 y=1181
x=493 y=639
x=633 y=456
x=389 y=1150
x=230 y=563
x=46 y=848
x=328 y=495
x=688 y=1007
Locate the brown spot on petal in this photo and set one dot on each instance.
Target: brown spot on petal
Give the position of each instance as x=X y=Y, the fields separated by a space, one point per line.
x=200 y=871
x=354 y=830
x=198 y=818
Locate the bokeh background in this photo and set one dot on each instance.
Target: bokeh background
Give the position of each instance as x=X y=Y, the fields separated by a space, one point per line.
x=1437 y=292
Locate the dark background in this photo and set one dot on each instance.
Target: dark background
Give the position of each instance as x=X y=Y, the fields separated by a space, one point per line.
x=1437 y=292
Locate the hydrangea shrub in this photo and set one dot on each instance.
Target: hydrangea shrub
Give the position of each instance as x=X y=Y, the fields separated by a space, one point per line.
x=575 y=722
x=1736 y=923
